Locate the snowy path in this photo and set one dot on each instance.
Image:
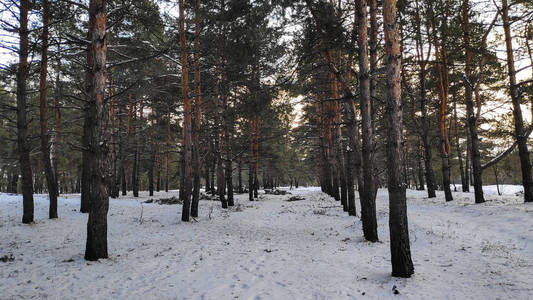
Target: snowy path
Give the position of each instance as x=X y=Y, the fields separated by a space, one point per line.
x=269 y=249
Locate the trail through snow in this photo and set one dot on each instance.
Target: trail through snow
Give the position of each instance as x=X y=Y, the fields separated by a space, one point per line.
x=269 y=249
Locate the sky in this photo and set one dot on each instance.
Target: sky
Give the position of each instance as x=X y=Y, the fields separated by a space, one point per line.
x=8 y=57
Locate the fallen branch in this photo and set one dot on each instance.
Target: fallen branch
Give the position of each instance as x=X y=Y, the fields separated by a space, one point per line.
x=295 y=198
x=502 y=155
x=141 y=216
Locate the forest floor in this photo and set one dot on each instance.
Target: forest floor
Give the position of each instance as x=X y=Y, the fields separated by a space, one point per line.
x=269 y=249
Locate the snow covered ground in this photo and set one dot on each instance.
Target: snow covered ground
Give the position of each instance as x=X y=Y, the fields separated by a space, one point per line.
x=270 y=249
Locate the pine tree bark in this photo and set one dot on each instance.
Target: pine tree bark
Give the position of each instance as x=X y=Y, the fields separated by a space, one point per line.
x=350 y=201
x=402 y=265
x=196 y=170
x=182 y=177
x=420 y=157
x=443 y=90
x=467 y=162
x=22 y=122
x=519 y=131
x=207 y=166
x=256 y=158
x=342 y=172
x=458 y=144
x=250 y=181
x=13 y=182
x=135 y=165
x=367 y=192
x=251 y=164
x=470 y=114
x=425 y=124
x=187 y=117
x=113 y=184
x=228 y=164
x=373 y=47
x=151 y=169
x=57 y=129
x=158 y=186
x=137 y=157
x=213 y=170
x=120 y=177
x=51 y=181
x=221 y=181
x=85 y=171
x=352 y=151
x=167 y=150
x=96 y=246
x=239 y=176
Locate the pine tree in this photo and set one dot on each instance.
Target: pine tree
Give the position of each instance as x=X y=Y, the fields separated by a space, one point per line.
x=22 y=121
x=520 y=136
x=402 y=266
x=367 y=192
x=96 y=117
x=187 y=153
x=471 y=116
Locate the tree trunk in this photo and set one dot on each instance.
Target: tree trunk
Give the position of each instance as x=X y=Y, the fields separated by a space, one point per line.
x=523 y=151
x=373 y=47
x=167 y=150
x=402 y=265
x=250 y=182
x=22 y=123
x=467 y=162
x=342 y=173
x=217 y=135
x=348 y=154
x=229 y=182
x=78 y=179
x=151 y=170
x=458 y=145
x=135 y=178
x=228 y=161
x=367 y=192
x=207 y=174
x=529 y=37
x=158 y=186
x=420 y=157
x=113 y=184
x=55 y=137
x=213 y=171
x=430 y=175
x=134 y=168
x=182 y=177
x=352 y=153
x=470 y=114
x=239 y=168
x=495 y=169
x=96 y=246
x=51 y=181
x=12 y=180
x=121 y=177
x=256 y=158
x=123 y=181
x=221 y=181
x=443 y=89
x=196 y=170
x=405 y=166
x=186 y=119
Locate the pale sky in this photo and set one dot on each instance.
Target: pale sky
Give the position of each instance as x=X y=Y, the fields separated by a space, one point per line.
x=8 y=57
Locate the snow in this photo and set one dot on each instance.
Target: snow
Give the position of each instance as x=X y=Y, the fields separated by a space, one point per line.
x=506 y=189
x=270 y=249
